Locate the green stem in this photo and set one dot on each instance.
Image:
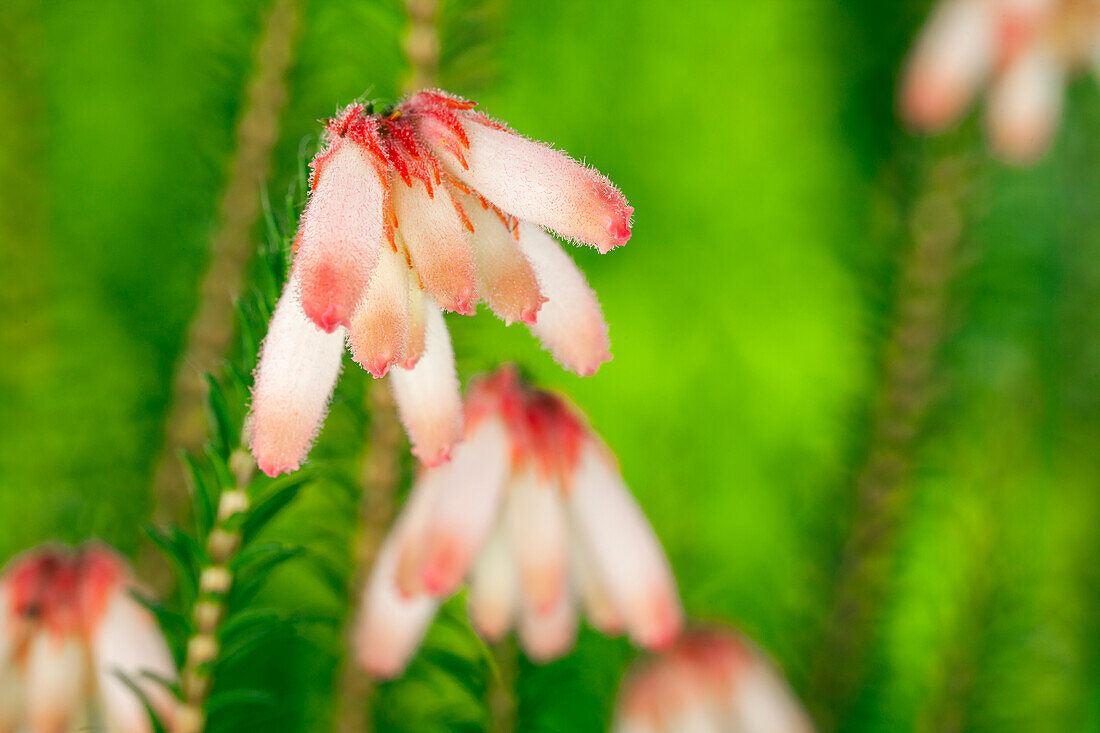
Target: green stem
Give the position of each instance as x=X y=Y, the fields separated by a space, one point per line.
x=215 y=582
x=882 y=483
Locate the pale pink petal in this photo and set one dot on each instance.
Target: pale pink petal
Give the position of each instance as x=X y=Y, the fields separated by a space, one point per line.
x=340 y=235
x=571 y=324
x=437 y=240
x=599 y=606
x=8 y=626
x=380 y=327
x=549 y=634
x=414 y=347
x=128 y=641
x=427 y=396
x=57 y=684
x=390 y=624
x=538 y=532
x=505 y=279
x=536 y=183
x=466 y=505
x=625 y=550
x=13 y=697
x=1025 y=104
x=763 y=703
x=953 y=55
x=493 y=594
x=411 y=542
x=295 y=379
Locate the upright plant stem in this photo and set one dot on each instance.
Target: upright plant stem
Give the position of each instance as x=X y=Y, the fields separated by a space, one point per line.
x=381 y=468
x=215 y=582
x=231 y=245
x=882 y=483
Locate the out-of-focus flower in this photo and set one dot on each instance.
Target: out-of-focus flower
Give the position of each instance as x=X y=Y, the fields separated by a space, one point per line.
x=710 y=681
x=1023 y=49
x=69 y=627
x=533 y=511
x=425 y=206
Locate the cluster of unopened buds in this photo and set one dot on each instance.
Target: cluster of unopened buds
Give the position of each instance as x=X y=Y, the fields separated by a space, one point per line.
x=533 y=511
x=76 y=646
x=711 y=681
x=1023 y=50
x=425 y=206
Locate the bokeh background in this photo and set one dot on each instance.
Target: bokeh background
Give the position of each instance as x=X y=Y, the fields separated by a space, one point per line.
x=754 y=320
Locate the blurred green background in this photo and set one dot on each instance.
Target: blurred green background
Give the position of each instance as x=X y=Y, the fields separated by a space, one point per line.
x=749 y=319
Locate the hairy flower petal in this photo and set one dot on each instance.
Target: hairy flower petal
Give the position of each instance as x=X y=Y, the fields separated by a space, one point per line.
x=625 y=549
x=505 y=277
x=379 y=329
x=539 y=535
x=571 y=324
x=599 y=606
x=1025 y=104
x=534 y=182
x=953 y=56
x=494 y=589
x=128 y=641
x=548 y=634
x=391 y=624
x=56 y=681
x=437 y=240
x=465 y=506
x=294 y=381
x=427 y=395
x=341 y=233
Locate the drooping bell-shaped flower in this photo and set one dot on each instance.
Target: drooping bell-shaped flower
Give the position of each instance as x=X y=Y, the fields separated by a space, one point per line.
x=422 y=207
x=70 y=633
x=710 y=681
x=532 y=513
x=1022 y=50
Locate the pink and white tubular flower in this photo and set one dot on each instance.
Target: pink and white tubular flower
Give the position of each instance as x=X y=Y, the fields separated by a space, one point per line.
x=710 y=681
x=424 y=207
x=68 y=627
x=1022 y=49
x=532 y=512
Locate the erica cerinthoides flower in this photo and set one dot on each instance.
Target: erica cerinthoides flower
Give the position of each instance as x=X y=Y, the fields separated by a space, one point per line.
x=427 y=206
x=1023 y=49
x=532 y=511
x=710 y=681
x=69 y=627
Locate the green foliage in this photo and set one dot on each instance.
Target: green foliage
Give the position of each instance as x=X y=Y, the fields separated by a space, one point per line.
x=758 y=144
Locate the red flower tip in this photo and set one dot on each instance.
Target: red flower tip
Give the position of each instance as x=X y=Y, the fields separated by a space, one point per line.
x=274 y=469
x=618 y=228
x=431 y=460
x=380 y=366
x=330 y=319
x=531 y=314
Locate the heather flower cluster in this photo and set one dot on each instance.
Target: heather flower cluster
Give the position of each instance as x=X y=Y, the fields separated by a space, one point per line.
x=416 y=209
x=531 y=510
x=1023 y=50
x=71 y=632
x=711 y=681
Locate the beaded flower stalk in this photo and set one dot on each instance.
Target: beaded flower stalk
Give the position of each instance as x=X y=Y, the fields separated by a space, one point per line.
x=533 y=511
x=424 y=207
x=76 y=647
x=1023 y=50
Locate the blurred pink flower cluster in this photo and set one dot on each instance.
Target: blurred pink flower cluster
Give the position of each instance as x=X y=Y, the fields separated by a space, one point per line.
x=427 y=206
x=1022 y=50
x=711 y=681
x=533 y=511
x=69 y=627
